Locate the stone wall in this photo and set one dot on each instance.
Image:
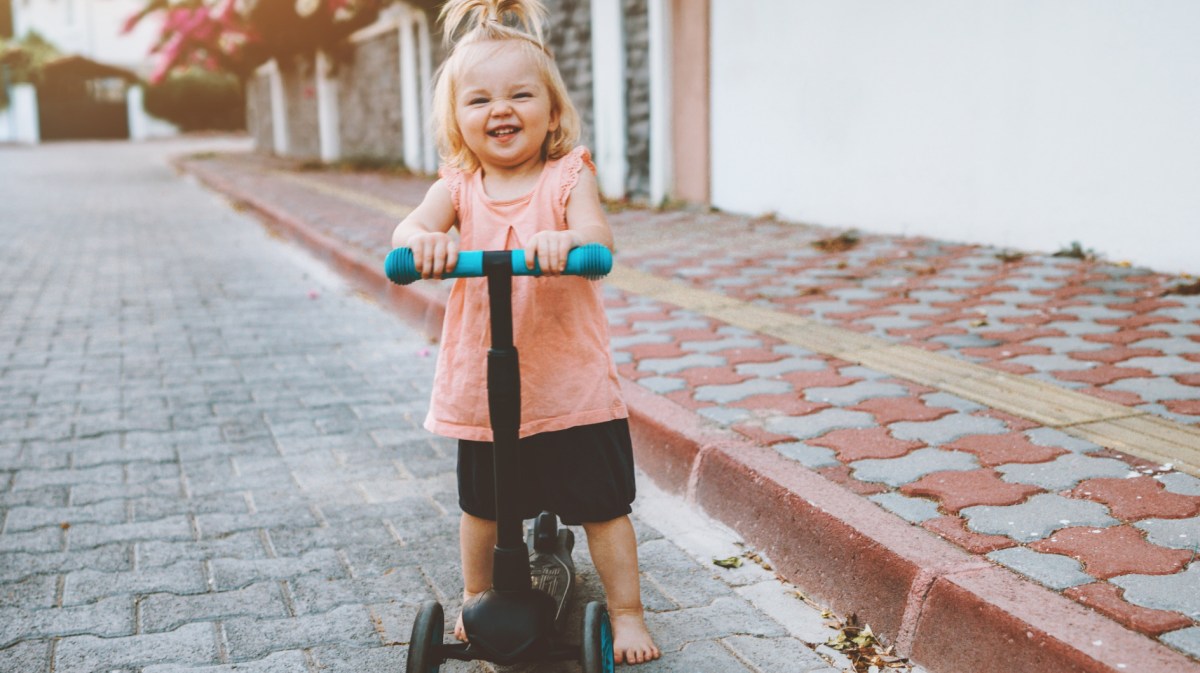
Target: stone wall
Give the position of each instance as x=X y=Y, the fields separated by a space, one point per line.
x=570 y=39
x=300 y=90
x=369 y=100
x=637 y=98
x=258 y=112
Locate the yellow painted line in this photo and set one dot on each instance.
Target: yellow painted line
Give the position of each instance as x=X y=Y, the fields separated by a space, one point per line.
x=396 y=210
x=1105 y=423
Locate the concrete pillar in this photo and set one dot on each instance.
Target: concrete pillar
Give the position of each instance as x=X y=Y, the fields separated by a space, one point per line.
x=425 y=59
x=135 y=109
x=328 y=116
x=410 y=91
x=279 y=124
x=23 y=114
x=659 y=12
x=608 y=96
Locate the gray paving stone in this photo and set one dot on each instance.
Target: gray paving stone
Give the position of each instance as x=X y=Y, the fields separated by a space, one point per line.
x=1093 y=312
x=316 y=594
x=716 y=345
x=26 y=657
x=228 y=574
x=1174 y=345
x=725 y=415
x=625 y=341
x=1178 y=482
x=251 y=638
x=849 y=395
x=1081 y=328
x=108 y=618
x=1057 y=438
x=723 y=618
x=1179 y=592
x=346 y=659
x=86 y=536
x=674 y=365
x=1160 y=410
x=910 y=509
x=723 y=394
x=678 y=323
x=1052 y=570
x=947 y=428
x=896 y=472
x=941 y=400
x=167 y=612
x=101 y=474
x=778 y=654
x=289 y=661
x=85 y=586
x=1156 y=389
x=1067 y=344
x=662 y=384
x=819 y=423
x=30 y=593
x=35 y=541
x=1173 y=533
x=191 y=644
x=1052 y=363
x=1037 y=517
x=781 y=367
x=1167 y=365
x=812 y=457
x=1063 y=472
x=1186 y=640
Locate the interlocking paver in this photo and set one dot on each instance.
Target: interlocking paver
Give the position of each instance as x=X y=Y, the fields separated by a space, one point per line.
x=1063 y=472
x=1179 y=592
x=193 y=644
x=1037 y=517
x=1187 y=640
x=896 y=472
x=819 y=423
x=947 y=429
x=1173 y=533
x=1052 y=570
x=916 y=510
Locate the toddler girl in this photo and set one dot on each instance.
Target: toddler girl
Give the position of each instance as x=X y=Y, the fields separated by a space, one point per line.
x=514 y=178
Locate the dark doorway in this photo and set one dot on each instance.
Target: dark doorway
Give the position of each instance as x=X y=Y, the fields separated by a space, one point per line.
x=79 y=98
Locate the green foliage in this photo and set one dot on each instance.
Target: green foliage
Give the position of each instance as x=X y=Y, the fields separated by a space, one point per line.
x=197 y=99
x=21 y=61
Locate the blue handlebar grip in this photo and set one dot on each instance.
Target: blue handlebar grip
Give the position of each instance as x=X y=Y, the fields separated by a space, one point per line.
x=592 y=261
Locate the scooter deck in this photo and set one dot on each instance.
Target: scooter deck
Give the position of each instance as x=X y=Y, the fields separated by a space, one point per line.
x=554 y=572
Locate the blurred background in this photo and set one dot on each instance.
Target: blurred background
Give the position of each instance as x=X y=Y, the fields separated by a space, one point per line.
x=1028 y=124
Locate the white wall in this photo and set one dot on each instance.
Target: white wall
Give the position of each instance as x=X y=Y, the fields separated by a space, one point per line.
x=91 y=28
x=1022 y=123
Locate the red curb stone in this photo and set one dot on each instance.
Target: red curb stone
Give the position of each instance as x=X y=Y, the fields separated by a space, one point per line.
x=711 y=376
x=1118 y=550
x=1138 y=498
x=1110 y=600
x=956 y=490
x=990 y=621
x=1114 y=355
x=858 y=315
x=1125 y=337
x=789 y=404
x=1012 y=447
x=955 y=530
x=1187 y=407
x=888 y=410
x=864 y=443
x=1102 y=375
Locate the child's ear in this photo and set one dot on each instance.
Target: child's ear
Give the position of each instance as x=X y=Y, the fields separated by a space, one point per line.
x=554 y=115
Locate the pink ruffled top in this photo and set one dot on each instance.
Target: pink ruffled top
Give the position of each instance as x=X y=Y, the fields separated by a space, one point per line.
x=561 y=333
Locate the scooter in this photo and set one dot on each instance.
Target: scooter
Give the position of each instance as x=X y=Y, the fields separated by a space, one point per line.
x=522 y=617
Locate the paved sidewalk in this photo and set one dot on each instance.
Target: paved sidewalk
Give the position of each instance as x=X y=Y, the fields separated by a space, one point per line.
x=1007 y=449
x=211 y=460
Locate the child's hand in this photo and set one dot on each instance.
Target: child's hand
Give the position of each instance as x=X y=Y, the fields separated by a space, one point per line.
x=550 y=248
x=434 y=253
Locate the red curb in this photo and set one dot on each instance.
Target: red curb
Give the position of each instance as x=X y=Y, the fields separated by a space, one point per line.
x=950 y=611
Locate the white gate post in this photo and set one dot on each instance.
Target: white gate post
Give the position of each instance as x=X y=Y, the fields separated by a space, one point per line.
x=24 y=114
x=135 y=111
x=328 y=115
x=608 y=95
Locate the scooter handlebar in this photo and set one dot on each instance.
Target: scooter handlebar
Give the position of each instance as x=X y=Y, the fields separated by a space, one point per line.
x=592 y=261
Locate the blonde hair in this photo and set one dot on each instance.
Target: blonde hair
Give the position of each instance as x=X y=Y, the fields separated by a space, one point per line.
x=473 y=23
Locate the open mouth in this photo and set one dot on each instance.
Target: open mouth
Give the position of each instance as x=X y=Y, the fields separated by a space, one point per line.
x=503 y=131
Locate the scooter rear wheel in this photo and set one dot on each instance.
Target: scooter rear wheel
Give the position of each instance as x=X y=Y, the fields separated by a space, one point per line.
x=423 y=655
x=597 y=640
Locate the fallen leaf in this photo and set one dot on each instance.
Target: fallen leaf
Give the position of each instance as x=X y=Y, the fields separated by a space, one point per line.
x=731 y=562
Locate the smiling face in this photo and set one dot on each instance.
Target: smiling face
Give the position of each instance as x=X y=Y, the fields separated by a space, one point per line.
x=504 y=109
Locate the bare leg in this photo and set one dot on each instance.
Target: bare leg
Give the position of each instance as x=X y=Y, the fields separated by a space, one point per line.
x=476 y=539
x=614 y=552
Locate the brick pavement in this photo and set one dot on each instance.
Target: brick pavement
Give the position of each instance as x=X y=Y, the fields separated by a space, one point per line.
x=1054 y=507
x=210 y=458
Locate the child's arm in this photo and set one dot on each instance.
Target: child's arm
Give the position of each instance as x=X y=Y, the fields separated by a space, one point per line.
x=426 y=231
x=586 y=223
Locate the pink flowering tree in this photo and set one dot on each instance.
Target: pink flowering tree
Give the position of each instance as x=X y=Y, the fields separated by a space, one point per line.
x=236 y=36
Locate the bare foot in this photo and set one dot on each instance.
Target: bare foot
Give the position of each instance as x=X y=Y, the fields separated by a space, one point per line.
x=632 y=643
x=459 y=631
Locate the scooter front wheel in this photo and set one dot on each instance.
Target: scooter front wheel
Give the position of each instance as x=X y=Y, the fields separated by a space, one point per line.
x=597 y=640
x=423 y=648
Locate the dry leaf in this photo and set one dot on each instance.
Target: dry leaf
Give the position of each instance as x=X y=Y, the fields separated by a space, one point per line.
x=731 y=562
